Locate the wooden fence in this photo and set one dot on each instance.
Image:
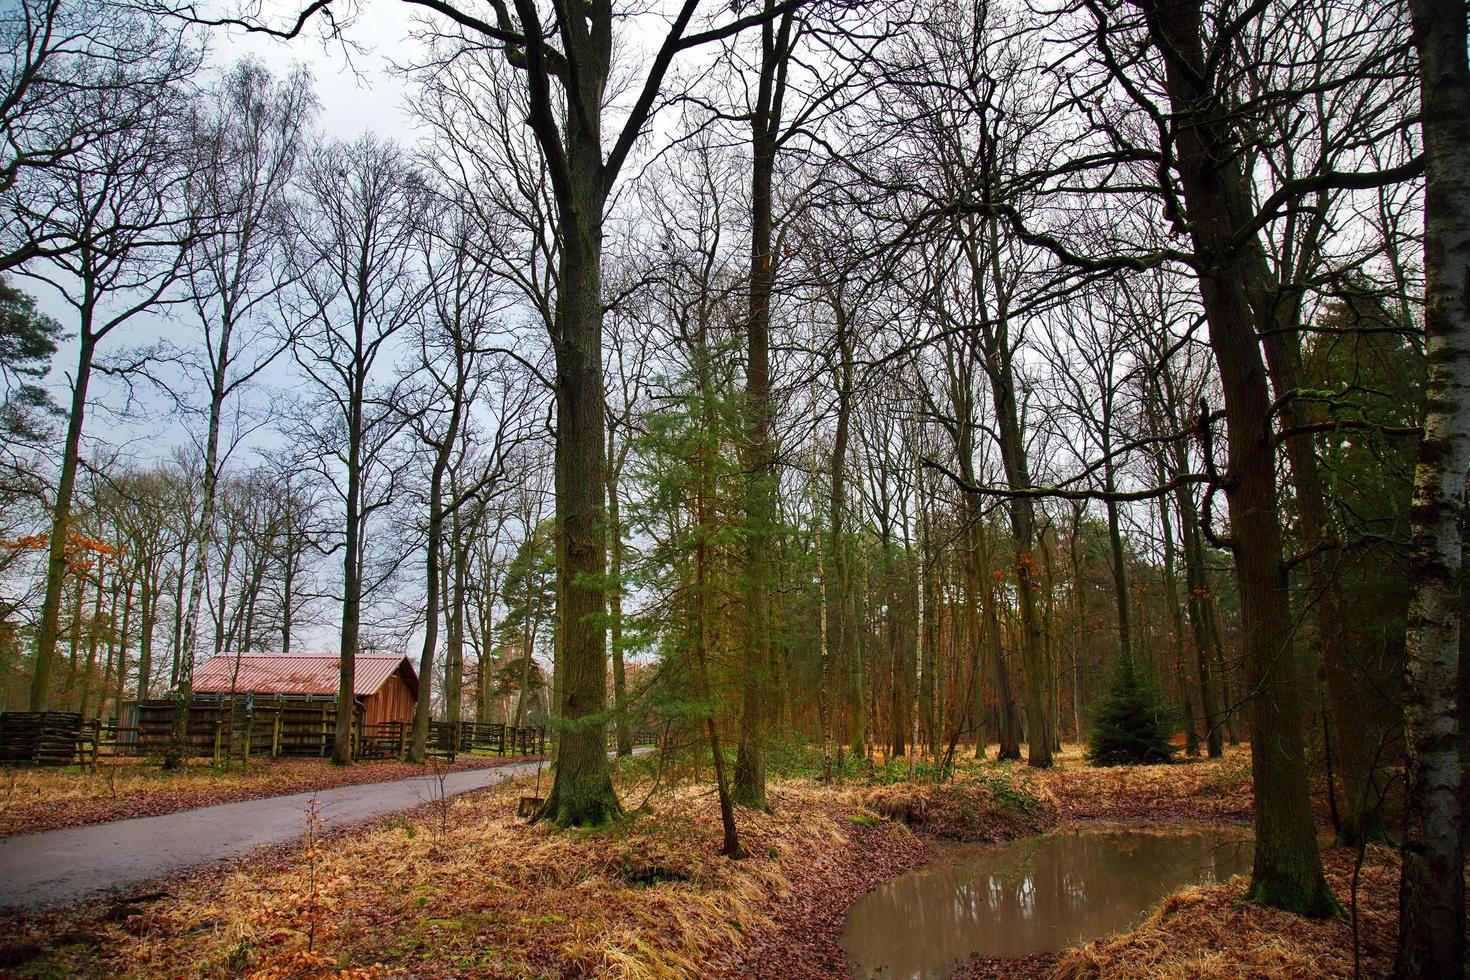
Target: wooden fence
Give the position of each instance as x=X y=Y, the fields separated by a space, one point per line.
x=46 y=738
x=235 y=726
x=502 y=739
x=240 y=727
x=640 y=736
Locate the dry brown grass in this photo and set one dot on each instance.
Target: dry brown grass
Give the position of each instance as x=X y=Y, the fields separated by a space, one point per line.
x=1213 y=934
x=1187 y=790
x=33 y=800
x=647 y=897
x=970 y=808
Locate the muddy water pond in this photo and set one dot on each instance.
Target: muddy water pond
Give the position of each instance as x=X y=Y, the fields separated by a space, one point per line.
x=1031 y=895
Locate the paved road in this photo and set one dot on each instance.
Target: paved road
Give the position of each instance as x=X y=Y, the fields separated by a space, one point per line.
x=64 y=866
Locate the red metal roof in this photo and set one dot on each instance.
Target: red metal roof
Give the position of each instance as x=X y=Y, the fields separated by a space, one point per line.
x=292 y=673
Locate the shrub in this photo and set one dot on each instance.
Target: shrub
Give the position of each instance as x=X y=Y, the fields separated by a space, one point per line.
x=1132 y=724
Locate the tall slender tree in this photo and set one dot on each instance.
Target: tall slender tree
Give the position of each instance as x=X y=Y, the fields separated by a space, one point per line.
x=1432 y=892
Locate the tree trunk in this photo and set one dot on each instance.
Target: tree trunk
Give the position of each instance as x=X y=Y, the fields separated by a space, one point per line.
x=1119 y=563
x=582 y=791
x=1288 y=867
x=419 y=743
x=120 y=691
x=1197 y=600
x=921 y=598
x=615 y=604
x=765 y=122
x=93 y=638
x=1001 y=372
x=1356 y=729
x=148 y=620
x=351 y=587
x=1432 y=890
x=49 y=627
x=1176 y=620
x=454 y=641
x=203 y=536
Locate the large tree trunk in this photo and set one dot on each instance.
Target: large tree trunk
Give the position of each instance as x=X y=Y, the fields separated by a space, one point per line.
x=1022 y=511
x=1288 y=867
x=765 y=122
x=1432 y=891
x=582 y=792
x=839 y=619
x=1023 y=543
x=1356 y=727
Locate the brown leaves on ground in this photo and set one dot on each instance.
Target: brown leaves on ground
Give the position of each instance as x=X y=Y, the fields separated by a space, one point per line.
x=33 y=800
x=969 y=808
x=1205 y=790
x=650 y=897
x=802 y=937
x=1214 y=934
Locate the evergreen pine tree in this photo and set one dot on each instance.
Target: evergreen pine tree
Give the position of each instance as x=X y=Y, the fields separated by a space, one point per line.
x=1132 y=724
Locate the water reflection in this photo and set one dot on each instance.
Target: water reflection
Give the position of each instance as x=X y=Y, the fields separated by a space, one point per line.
x=1036 y=894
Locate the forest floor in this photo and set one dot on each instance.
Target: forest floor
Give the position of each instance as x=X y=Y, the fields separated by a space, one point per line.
x=35 y=800
x=467 y=890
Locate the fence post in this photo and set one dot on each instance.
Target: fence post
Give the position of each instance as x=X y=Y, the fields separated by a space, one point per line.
x=276 y=734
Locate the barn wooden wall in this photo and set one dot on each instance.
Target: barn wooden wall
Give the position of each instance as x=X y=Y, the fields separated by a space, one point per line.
x=393 y=702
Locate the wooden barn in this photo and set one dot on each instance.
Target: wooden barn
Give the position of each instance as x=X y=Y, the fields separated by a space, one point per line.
x=385 y=687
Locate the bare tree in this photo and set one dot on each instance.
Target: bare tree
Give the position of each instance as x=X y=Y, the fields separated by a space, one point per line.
x=248 y=137
x=363 y=205
x=116 y=204
x=566 y=63
x=75 y=74
x=452 y=341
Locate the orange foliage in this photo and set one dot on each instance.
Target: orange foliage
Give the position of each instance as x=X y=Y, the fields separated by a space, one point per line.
x=78 y=548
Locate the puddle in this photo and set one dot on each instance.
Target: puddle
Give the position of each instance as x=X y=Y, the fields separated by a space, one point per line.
x=1032 y=895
